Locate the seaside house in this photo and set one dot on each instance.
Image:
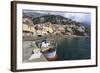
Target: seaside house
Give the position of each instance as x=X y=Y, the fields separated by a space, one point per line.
x=44 y=32
x=39 y=33
x=26 y=26
x=62 y=30
x=33 y=30
x=48 y=29
x=26 y=30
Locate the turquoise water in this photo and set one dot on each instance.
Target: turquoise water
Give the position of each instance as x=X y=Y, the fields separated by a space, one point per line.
x=74 y=48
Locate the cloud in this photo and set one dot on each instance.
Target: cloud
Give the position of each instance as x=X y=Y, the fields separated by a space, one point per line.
x=80 y=17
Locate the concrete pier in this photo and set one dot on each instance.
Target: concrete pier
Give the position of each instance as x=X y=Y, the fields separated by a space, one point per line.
x=27 y=53
x=41 y=59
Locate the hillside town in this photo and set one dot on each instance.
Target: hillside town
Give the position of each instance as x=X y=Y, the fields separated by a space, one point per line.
x=49 y=29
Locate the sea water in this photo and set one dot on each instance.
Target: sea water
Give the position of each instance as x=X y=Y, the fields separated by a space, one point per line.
x=73 y=48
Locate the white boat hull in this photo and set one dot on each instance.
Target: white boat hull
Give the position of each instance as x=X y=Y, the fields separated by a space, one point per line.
x=50 y=54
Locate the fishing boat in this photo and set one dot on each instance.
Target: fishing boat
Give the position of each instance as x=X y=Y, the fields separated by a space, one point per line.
x=50 y=54
x=48 y=48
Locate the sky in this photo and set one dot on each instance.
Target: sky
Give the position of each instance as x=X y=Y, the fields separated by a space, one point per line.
x=77 y=16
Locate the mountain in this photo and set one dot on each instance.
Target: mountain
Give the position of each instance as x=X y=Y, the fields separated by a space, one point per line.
x=54 y=19
x=32 y=14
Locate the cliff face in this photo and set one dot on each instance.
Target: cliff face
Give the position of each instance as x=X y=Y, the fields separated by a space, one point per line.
x=61 y=24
